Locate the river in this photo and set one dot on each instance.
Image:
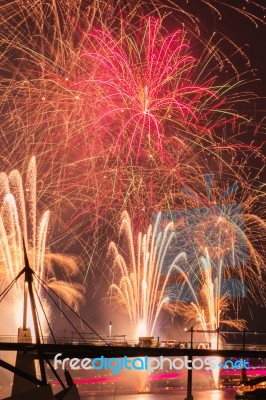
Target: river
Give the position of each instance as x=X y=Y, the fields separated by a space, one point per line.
x=177 y=395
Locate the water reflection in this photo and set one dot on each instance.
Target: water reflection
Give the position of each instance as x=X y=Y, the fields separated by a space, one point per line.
x=216 y=395
x=179 y=395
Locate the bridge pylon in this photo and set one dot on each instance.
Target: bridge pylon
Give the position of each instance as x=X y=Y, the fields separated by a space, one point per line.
x=25 y=362
x=26 y=384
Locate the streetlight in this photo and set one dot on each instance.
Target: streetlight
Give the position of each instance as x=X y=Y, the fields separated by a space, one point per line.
x=189 y=371
x=110 y=329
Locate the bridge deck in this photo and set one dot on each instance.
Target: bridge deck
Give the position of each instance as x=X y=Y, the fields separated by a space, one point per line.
x=92 y=351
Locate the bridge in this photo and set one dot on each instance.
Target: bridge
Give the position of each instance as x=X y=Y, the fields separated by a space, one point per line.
x=44 y=348
x=82 y=349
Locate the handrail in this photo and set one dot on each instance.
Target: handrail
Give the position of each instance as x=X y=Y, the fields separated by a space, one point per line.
x=117 y=342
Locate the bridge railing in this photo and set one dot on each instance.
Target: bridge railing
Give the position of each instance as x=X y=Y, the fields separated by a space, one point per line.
x=118 y=342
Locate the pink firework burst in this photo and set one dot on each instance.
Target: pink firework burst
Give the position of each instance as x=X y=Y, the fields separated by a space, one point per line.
x=150 y=90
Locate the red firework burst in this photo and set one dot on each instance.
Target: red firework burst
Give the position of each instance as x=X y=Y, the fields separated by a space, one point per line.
x=151 y=91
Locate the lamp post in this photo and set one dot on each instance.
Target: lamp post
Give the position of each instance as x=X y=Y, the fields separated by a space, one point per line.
x=110 y=329
x=218 y=331
x=244 y=339
x=189 y=371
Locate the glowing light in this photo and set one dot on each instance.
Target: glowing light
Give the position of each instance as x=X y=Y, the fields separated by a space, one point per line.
x=141 y=289
x=19 y=220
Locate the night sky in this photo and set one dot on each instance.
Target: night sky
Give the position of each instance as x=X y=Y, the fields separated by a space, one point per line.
x=244 y=34
x=252 y=39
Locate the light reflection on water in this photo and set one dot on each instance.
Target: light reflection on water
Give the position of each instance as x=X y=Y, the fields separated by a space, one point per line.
x=180 y=395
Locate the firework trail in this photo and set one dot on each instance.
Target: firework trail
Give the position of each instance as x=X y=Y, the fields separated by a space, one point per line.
x=19 y=220
x=148 y=79
x=225 y=220
x=121 y=113
x=157 y=105
x=219 y=234
x=146 y=269
x=141 y=287
x=145 y=280
x=209 y=308
x=207 y=247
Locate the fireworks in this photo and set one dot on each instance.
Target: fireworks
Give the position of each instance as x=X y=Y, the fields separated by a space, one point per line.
x=113 y=104
x=206 y=248
x=141 y=289
x=146 y=86
x=124 y=105
x=20 y=221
